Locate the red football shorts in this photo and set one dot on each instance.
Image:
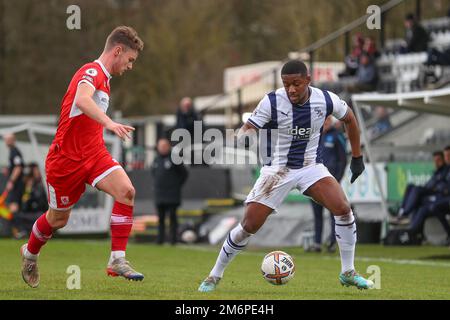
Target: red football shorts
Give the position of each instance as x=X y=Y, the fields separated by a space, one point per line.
x=67 y=178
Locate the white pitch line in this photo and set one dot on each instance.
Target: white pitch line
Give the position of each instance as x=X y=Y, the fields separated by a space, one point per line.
x=364 y=259
x=397 y=261
x=406 y=261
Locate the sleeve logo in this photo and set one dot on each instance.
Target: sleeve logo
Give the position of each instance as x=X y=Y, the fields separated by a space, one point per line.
x=17 y=161
x=92 y=72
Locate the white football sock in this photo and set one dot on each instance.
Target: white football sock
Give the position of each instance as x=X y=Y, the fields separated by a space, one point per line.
x=115 y=255
x=345 y=228
x=235 y=242
x=28 y=255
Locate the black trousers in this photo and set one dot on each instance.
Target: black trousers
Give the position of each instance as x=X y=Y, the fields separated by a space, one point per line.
x=318 y=216
x=24 y=221
x=413 y=198
x=15 y=195
x=318 y=223
x=439 y=209
x=171 y=210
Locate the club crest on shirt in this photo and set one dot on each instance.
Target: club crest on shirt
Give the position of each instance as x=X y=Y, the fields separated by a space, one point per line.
x=167 y=164
x=318 y=111
x=65 y=200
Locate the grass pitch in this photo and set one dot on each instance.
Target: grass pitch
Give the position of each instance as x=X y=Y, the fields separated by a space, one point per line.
x=176 y=272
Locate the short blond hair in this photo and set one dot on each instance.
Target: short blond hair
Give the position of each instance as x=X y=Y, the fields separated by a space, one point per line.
x=126 y=36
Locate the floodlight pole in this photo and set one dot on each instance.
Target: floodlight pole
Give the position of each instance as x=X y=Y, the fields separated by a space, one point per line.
x=369 y=155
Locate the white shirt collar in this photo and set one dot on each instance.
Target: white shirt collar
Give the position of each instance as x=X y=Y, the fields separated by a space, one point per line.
x=103 y=68
x=309 y=98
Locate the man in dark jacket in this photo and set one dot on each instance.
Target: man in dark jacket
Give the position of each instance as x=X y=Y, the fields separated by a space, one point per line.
x=168 y=179
x=14 y=186
x=417 y=37
x=334 y=156
x=438 y=204
x=186 y=115
x=416 y=196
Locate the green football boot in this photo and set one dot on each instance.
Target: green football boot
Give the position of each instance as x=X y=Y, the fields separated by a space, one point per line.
x=209 y=284
x=352 y=278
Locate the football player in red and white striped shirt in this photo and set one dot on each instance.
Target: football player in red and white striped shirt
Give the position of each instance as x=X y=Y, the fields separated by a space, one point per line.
x=78 y=155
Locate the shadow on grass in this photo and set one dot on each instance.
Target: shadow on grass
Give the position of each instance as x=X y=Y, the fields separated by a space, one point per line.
x=437 y=257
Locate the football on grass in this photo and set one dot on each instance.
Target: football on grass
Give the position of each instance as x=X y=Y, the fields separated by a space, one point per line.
x=278 y=267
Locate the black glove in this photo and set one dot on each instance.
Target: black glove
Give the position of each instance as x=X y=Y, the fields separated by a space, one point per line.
x=356 y=167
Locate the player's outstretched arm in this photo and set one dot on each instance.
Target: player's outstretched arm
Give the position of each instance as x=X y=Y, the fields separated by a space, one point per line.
x=357 y=163
x=84 y=101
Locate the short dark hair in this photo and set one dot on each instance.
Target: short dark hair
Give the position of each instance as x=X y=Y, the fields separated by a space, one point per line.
x=410 y=17
x=447 y=148
x=163 y=137
x=294 y=67
x=438 y=153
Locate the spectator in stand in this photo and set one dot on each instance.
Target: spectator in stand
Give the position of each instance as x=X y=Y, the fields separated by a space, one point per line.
x=352 y=60
x=370 y=47
x=366 y=76
x=417 y=196
x=438 y=58
x=417 y=37
x=34 y=202
x=433 y=77
x=168 y=179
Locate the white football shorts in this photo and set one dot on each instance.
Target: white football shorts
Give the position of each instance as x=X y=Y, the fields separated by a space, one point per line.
x=274 y=183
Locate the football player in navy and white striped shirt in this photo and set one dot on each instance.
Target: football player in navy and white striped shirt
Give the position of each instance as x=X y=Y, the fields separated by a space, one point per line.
x=294 y=116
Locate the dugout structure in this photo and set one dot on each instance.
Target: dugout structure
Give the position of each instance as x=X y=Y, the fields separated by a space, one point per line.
x=92 y=214
x=435 y=102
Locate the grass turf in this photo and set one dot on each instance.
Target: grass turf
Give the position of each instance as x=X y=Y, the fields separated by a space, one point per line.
x=176 y=272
